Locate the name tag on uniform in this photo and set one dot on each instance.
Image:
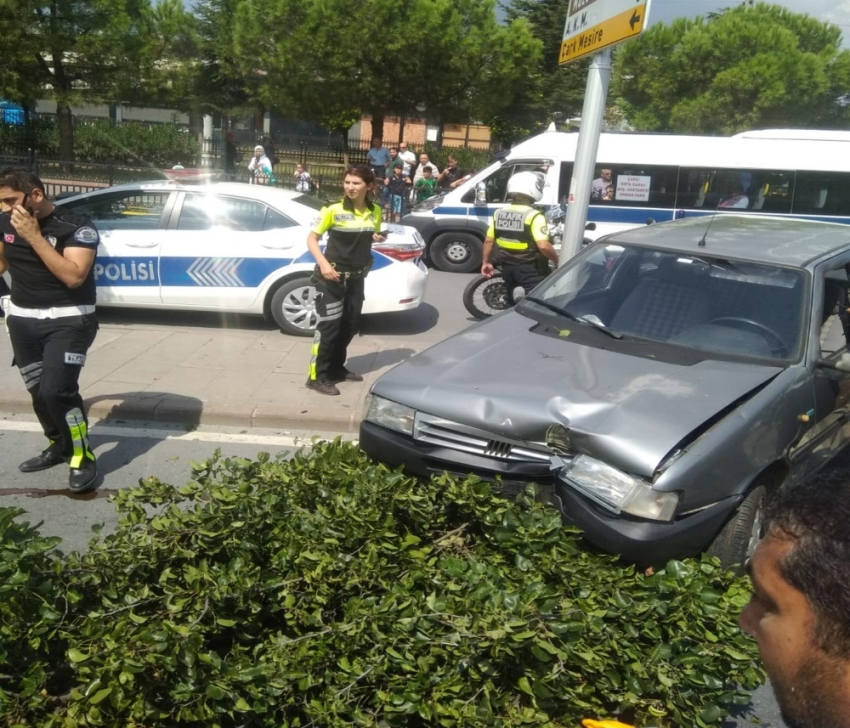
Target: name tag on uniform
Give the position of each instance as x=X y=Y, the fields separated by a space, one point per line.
x=343 y=217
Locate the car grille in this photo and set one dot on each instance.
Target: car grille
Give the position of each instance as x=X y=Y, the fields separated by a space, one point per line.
x=445 y=433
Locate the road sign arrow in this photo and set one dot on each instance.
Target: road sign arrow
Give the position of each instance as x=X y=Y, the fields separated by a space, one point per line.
x=635 y=20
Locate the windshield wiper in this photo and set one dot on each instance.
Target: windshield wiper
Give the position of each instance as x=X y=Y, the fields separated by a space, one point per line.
x=567 y=314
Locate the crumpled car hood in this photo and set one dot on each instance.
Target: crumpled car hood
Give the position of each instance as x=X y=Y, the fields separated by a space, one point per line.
x=629 y=411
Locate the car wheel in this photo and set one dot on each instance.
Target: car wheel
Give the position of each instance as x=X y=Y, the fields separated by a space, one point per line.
x=293 y=307
x=456 y=252
x=738 y=539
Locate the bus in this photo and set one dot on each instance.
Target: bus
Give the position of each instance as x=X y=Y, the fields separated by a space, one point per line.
x=650 y=177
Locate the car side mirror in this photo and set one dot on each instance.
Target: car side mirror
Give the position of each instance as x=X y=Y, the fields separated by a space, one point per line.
x=840 y=364
x=480 y=194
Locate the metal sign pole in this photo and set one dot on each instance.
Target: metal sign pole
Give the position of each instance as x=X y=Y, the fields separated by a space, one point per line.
x=592 y=114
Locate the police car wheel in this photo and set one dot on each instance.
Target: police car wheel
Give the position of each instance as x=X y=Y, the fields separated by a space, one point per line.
x=456 y=252
x=293 y=307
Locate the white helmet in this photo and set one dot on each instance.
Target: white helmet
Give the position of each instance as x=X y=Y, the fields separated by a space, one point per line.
x=529 y=184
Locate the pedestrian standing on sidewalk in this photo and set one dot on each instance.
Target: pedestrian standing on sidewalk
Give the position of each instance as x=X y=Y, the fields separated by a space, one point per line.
x=50 y=255
x=352 y=225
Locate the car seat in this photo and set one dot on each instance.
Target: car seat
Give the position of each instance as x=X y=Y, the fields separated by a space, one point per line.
x=666 y=302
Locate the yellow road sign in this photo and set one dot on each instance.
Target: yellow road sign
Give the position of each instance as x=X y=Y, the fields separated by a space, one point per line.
x=580 y=41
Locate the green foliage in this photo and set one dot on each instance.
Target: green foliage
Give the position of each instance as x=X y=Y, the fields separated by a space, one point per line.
x=742 y=68
x=154 y=145
x=553 y=92
x=330 y=591
x=330 y=60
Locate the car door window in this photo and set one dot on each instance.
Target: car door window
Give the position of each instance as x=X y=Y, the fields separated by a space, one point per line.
x=204 y=212
x=275 y=221
x=133 y=210
x=834 y=320
x=497 y=183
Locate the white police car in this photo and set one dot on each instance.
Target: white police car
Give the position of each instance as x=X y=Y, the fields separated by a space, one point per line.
x=230 y=247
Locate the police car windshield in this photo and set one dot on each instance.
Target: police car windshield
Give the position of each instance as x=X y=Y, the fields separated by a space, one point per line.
x=740 y=309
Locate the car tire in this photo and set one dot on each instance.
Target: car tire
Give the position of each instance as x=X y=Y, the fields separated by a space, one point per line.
x=456 y=252
x=735 y=543
x=293 y=307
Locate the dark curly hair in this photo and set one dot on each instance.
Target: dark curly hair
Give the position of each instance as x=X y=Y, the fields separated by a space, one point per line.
x=816 y=515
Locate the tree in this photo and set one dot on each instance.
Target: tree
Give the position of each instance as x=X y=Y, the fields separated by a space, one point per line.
x=78 y=49
x=334 y=60
x=554 y=92
x=746 y=67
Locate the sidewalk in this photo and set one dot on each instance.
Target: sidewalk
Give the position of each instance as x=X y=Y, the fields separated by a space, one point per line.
x=239 y=377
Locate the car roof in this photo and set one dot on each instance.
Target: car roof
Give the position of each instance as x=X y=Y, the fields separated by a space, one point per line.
x=760 y=238
x=265 y=193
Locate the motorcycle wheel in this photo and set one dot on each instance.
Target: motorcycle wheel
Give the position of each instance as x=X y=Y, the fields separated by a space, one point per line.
x=484 y=297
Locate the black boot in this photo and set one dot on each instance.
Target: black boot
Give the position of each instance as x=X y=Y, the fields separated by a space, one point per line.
x=345 y=375
x=82 y=479
x=322 y=387
x=48 y=458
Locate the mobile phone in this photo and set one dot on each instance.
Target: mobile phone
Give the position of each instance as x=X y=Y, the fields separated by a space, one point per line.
x=30 y=210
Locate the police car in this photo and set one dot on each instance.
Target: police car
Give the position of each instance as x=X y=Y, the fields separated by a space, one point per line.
x=230 y=247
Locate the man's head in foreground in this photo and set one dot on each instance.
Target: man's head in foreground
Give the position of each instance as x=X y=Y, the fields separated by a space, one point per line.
x=800 y=609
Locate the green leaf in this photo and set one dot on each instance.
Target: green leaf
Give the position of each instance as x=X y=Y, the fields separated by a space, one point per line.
x=74 y=655
x=100 y=695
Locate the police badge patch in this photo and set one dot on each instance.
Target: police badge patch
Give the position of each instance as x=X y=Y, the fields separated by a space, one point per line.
x=50 y=239
x=87 y=235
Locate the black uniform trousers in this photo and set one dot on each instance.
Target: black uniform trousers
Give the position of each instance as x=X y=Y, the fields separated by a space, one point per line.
x=338 y=304
x=50 y=354
x=522 y=275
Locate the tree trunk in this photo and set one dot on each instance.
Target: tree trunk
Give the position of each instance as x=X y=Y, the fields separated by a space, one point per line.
x=66 y=131
x=401 y=121
x=377 y=126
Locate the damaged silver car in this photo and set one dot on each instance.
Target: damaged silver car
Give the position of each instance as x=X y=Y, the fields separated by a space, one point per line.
x=662 y=385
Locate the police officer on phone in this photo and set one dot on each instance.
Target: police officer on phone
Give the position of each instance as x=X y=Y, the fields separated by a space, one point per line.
x=50 y=254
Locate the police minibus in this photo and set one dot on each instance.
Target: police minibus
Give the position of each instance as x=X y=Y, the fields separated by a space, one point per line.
x=798 y=173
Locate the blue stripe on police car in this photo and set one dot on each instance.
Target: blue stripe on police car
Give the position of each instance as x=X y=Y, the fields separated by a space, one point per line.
x=198 y=272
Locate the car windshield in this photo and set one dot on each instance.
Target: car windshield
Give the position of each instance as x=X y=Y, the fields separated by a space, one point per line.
x=731 y=307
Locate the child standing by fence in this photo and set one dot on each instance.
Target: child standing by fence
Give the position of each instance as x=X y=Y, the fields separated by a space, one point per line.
x=397 y=189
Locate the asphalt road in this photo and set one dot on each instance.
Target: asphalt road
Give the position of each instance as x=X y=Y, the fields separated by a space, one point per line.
x=128 y=453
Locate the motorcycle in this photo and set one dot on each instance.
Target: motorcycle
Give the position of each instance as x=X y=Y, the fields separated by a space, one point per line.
x=484 y=297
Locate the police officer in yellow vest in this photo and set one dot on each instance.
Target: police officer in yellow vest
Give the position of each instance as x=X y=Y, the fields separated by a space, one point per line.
x=521 y=237
x=352 y=226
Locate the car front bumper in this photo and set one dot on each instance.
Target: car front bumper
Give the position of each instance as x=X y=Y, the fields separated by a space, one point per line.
x=640 y=541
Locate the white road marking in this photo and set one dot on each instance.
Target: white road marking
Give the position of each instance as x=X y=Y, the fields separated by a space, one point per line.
x=151 y=433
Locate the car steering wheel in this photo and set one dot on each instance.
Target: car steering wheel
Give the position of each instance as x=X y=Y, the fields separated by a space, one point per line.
x=780 y=346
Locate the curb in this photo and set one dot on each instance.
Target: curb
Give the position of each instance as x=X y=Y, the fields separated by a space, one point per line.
x=194 y=412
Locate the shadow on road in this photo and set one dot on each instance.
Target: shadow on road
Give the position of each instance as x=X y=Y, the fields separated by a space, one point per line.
x=401 y=323
x=366 y=363
x=161 y=407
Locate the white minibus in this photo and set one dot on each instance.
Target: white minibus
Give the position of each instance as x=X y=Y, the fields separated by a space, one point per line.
x=799 y=173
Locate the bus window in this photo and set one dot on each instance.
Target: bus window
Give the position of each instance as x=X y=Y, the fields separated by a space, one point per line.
x=621 y=185
x=564 y=182
x=771 y=192
x=709 y=189
x=822 y=193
